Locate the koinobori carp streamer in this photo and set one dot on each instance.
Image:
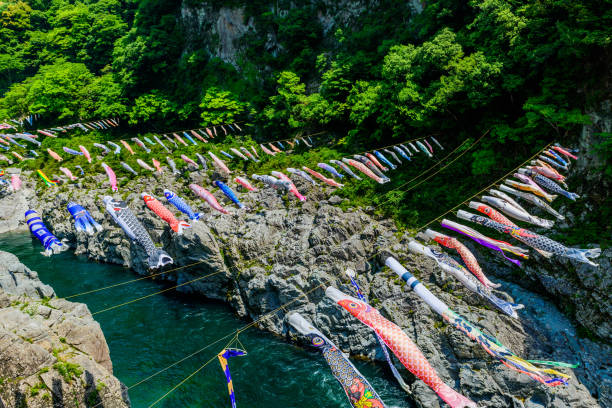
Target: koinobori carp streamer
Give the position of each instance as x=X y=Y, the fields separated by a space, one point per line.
x=490 y=344
x=123 y=216
x=545 y=246
x=359 y=391
x=451 y=266
x=162 y=212
x=400 y=344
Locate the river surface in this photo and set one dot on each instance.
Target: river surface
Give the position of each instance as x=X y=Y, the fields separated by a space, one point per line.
x=151 y=334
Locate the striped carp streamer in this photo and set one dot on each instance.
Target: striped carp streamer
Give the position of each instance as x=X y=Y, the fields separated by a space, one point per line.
x=83 y=221
x=112 y=178
x=229 y=193
x=359 y=391
x=162 y=212
x=244 y=183
x=292 y=188
x=532 y=199
x=220 y=163
x=351 y=274
x=125 y=218
x=513 y=212
x=468 y=257
x=552 y=162
x=302 y=174
x=39 y=230
x=181 y=205
x=54 y=155
x=18 y=156
x=545 y=246
x=46 y=179
x=400 y=344
x=489 y=343
x=560 y=159
x=548 y=184
x=208 y=197
x=223 y=356
x=324 y=179
x=128 y=168
x=448 y=264
x=345 y=168
x=68 y=173
x=483 y=240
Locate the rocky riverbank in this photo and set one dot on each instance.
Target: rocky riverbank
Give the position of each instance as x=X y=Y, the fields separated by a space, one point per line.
x=284 y=250
x=53 y=351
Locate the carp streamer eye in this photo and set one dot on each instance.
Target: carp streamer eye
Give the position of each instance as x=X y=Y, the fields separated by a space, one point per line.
x=353 y=305
x=317 y=341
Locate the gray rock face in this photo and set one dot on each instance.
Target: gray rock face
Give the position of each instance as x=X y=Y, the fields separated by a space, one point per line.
x=284 y=253
x=53 y=351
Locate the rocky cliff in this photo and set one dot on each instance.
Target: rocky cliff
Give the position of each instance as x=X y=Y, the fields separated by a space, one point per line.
x=286 y=251
x=53 y=351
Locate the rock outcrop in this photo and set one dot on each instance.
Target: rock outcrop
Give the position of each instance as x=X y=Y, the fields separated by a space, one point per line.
x=53 y=351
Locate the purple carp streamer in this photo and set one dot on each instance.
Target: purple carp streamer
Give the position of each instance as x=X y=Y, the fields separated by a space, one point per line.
x=358 y=390
x=451 y=266
x=545 y=246
x=490 y=344
x=530 y=186
x=483 y=240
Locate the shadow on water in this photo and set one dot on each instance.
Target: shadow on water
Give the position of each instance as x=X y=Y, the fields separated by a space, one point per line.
x=149 y=335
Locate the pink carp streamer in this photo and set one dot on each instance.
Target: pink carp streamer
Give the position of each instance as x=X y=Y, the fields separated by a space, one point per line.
x=15 y=182
x=244 y=183
x=54 y=155
x=85 y=153
x=220 y=163
x=321 y=177
x=128 y=147
x=292 y=186
x=68 y=173
x=112 y=178
x=362 y=168
x=400 y=344
x=208 y=197
x=468 y=258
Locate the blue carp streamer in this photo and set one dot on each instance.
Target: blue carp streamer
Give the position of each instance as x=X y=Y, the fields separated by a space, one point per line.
x=40 y=231
x=83 y=221
x=223 y=356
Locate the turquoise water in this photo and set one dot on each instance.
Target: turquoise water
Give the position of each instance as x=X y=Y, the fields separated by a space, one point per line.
x=149 y=335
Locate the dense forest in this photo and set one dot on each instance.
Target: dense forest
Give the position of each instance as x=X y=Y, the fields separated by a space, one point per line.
x=526 y=72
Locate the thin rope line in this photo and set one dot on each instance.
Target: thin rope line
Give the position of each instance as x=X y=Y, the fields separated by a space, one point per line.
x=486 y=188
x=131 y=281
x=157 y=293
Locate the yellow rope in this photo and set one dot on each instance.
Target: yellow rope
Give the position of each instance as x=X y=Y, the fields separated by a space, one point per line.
x=131 y=281
x=157 y=293
x=486 y=188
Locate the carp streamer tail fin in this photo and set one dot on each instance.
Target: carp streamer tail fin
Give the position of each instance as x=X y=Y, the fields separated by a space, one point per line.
x=159 y=258
x=453 y=398
x=182 y=225
x=507 y=307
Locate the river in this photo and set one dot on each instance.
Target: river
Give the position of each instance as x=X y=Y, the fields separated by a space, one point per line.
x=149 y=335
